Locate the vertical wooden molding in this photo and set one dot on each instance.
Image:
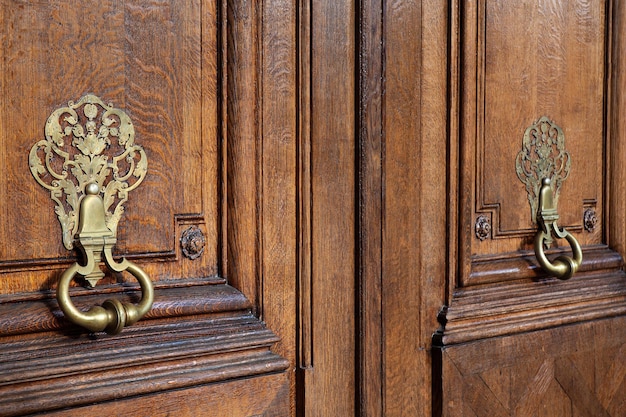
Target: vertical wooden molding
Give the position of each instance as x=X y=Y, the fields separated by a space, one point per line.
x=465 y=43
x=371 y=208
x=333 y=210
x=616 y=130
x=278 y=172
x=222 y=45
x=259 y=162
x=212 y=122
x=305 y=331
x=242 y=148
x=454 y=95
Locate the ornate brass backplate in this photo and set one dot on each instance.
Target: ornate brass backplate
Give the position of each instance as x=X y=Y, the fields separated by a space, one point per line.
x=72 y=156
x=543 y=155
x=543 y=164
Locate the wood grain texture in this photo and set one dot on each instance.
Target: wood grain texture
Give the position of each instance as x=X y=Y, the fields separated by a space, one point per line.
x=338 y=151
x=483 y=93
x=279 y=182
x=243 y=148
x=414 y=255
x=305 y=232
x=570 y=371
x=557 y=70
x=263 y=396
x=371 y=184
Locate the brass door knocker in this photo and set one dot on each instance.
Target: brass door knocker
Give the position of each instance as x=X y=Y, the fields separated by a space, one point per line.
x=563 y=267
x=89 y=188
x=542 y=165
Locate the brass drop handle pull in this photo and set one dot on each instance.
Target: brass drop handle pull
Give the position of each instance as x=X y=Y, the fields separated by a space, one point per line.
x=563 y=267
x=89 y=162
x=95 y=238
x=113 y=315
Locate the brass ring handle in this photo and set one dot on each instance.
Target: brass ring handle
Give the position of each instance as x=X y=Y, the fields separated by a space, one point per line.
x=563 y=267
x=113 y=315
x=94 y=239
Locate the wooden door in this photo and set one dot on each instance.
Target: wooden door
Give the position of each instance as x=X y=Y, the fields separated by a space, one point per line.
x=446 y=95
x=212 y=223
x=536 y=90
x=331 y=216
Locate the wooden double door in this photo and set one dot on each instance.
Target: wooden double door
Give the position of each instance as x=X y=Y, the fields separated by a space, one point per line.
x=338 y=208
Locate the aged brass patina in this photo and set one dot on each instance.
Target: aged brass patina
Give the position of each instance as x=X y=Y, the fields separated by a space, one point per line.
x=543 y=155
x=542 y=165
x=72 y=156
x=90 y=188
x=563 y=267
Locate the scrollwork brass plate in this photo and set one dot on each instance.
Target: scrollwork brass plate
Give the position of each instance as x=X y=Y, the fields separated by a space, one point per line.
x=543 y=155
x=72 y=156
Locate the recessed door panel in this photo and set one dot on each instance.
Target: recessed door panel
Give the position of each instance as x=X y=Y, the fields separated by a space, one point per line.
x=157 y=62
x=522 y=61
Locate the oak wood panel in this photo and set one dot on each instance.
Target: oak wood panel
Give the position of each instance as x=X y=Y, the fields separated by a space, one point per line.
x=568 y=371
x=544 y=58
x=265 y=396
x=415 y=198
x=333 y=211
x=50 y=55
x=403 y=164
x=371 y=368
x=518 y=62
x=403 y=198
x=278 y=184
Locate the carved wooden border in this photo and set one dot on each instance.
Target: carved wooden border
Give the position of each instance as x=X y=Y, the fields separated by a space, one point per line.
x=196 y=333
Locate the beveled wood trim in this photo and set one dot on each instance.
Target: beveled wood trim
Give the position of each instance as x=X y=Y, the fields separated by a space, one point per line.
x=305 y=197
x=195 y=334
x=36 y=312
x=523 y=265
x=52 y=373
x=616 y=130
x=523 y=307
